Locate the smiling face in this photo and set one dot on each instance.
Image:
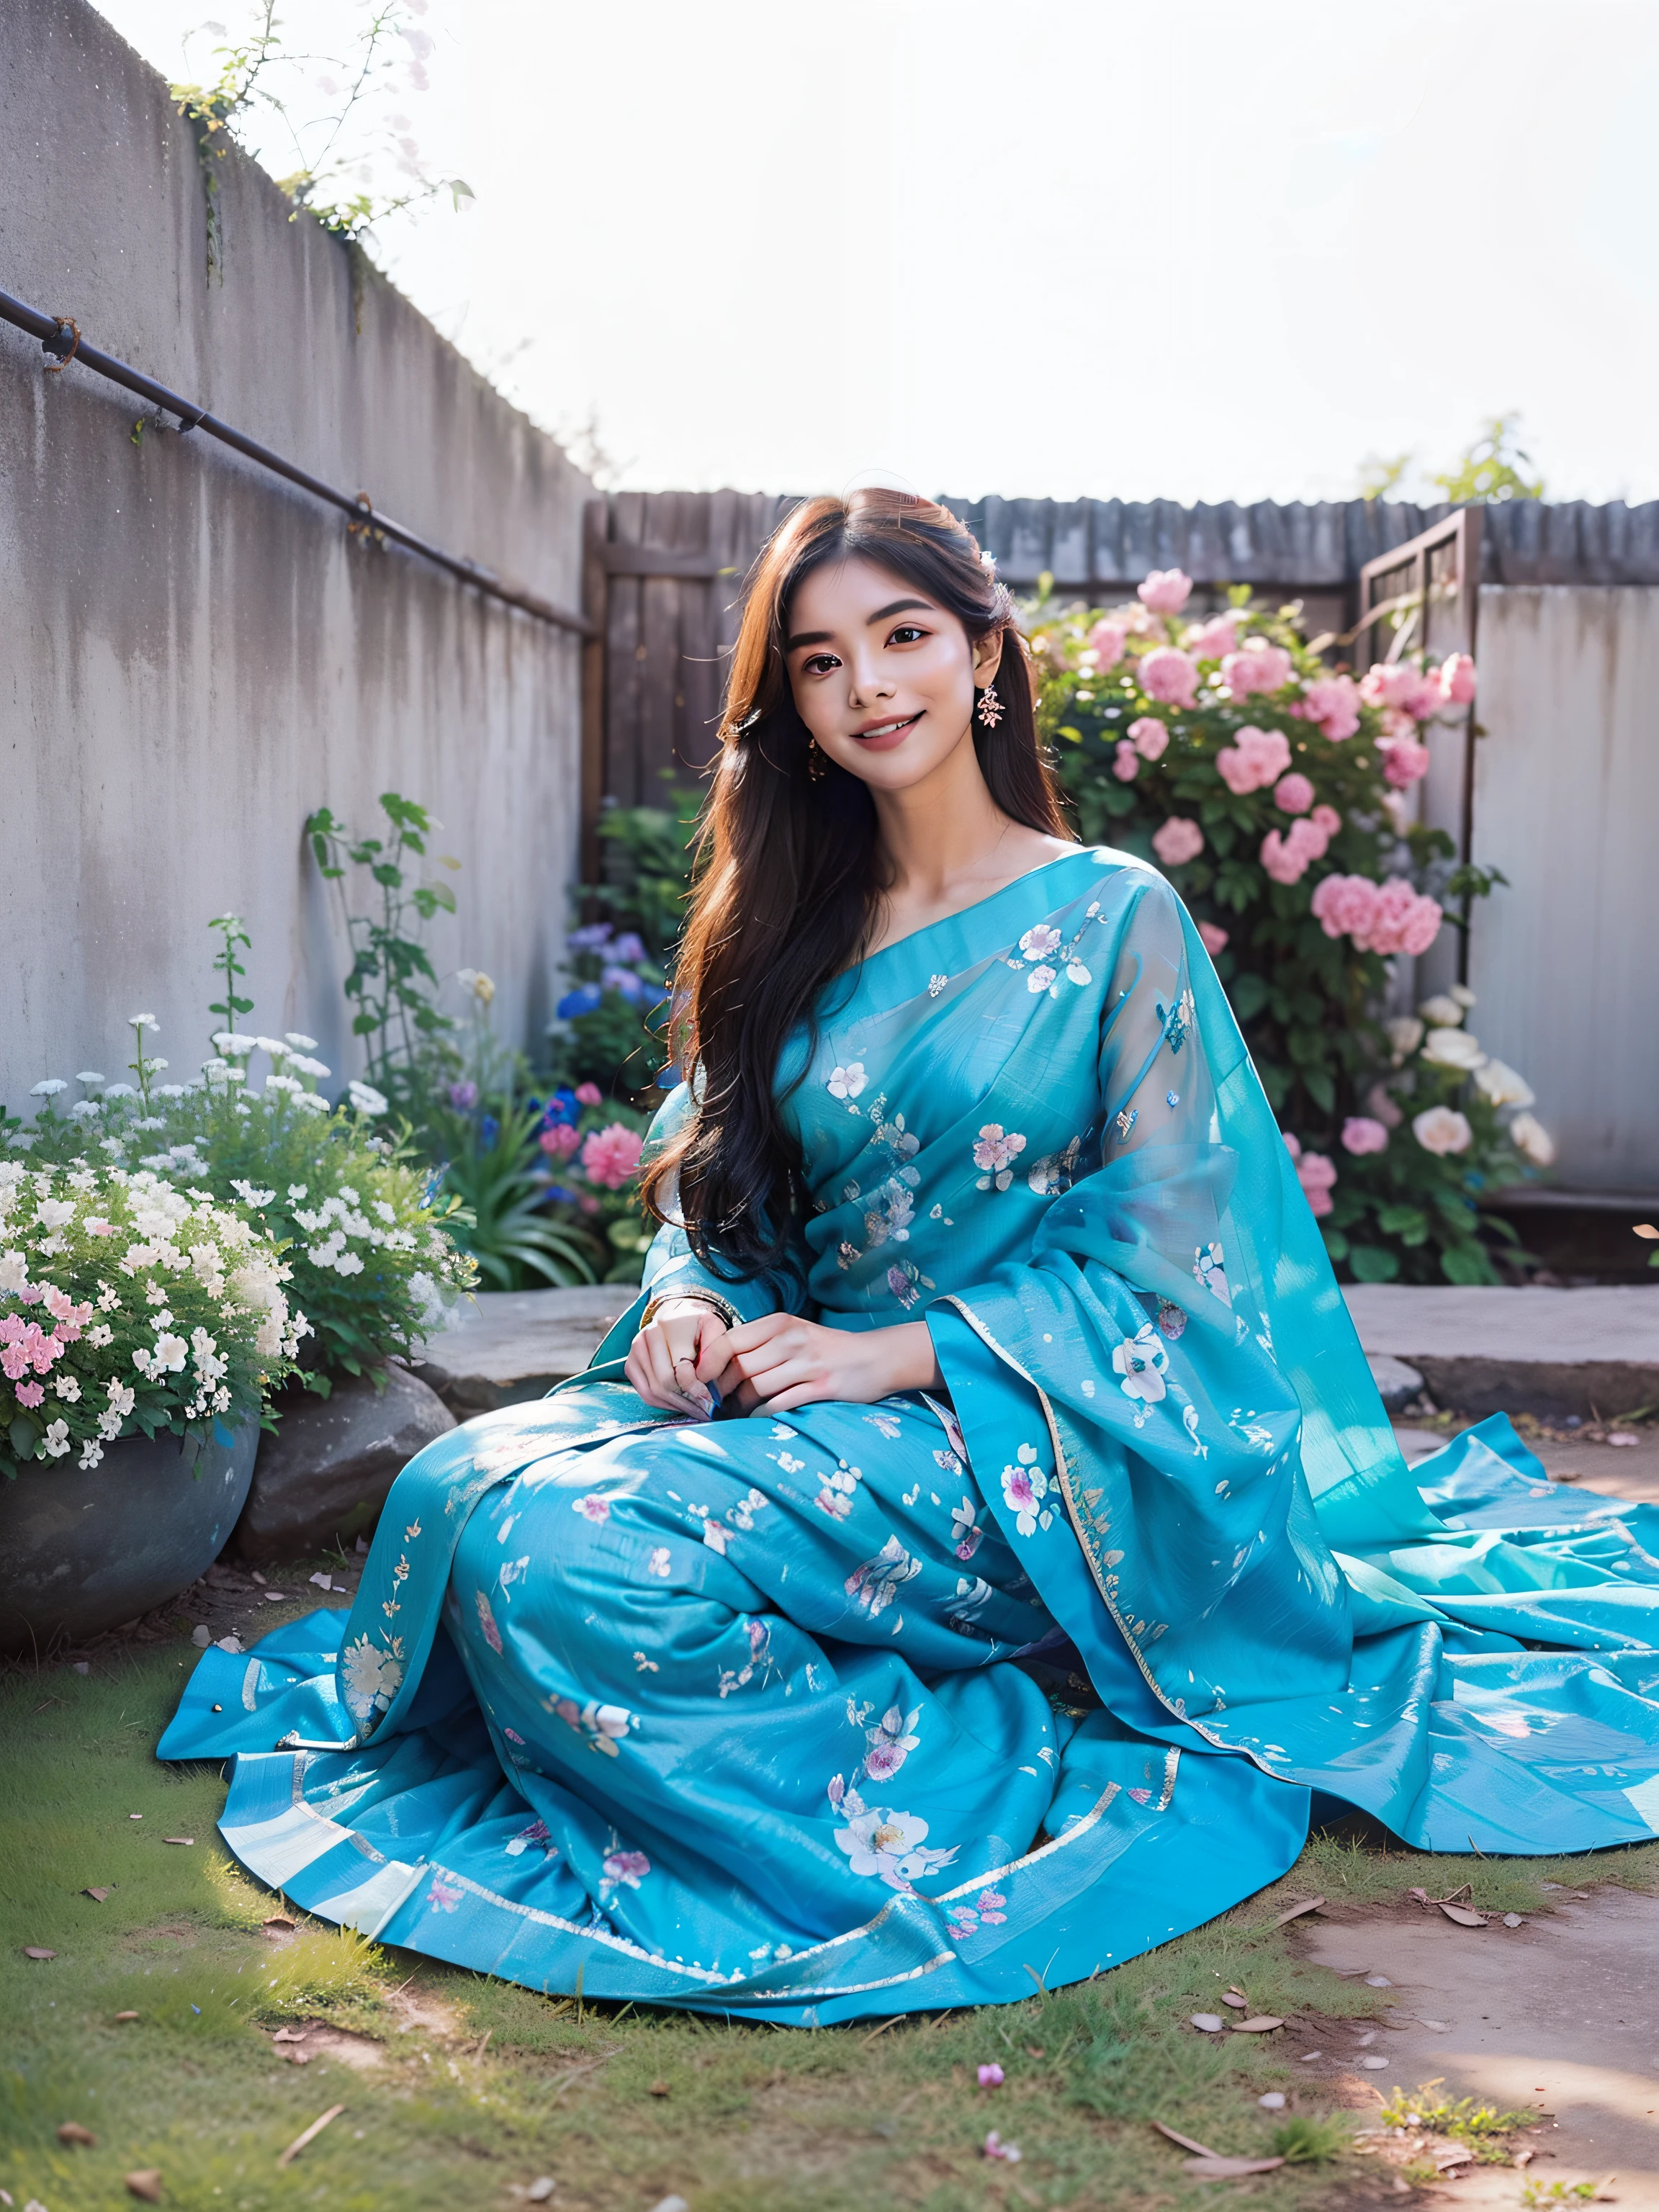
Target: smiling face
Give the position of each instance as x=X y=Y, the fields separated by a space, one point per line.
x=883 y=676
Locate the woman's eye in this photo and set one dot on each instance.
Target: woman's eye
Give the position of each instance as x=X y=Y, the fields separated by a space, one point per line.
x=819 y=664
x=906 y=633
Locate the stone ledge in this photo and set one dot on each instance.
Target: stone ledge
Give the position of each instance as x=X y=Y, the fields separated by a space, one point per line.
x=1489 y=1349
x=503 y=1347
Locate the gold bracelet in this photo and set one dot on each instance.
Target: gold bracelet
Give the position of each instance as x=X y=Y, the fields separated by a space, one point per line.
x=728 y=1314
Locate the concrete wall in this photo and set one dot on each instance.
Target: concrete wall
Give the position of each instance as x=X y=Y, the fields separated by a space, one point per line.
x=194 y=654
x=1566 y=803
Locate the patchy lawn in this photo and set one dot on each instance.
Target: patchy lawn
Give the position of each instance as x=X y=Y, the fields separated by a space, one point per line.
x=458 y=2090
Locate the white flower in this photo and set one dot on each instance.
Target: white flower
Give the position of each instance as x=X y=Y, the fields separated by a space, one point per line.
x=1441 y=1129
x=91 y=1453
x=302 y=1066
x=121 y=1090
x=846 y=1082
x=1039 y=979
x=274 y=1045
x=372 y=1678
x=143 y=1021
x=1038 y=943
x=1464 y=996
x=1024 y=1489
x=1454 y=1048
x=1441 y=1013
x=55 y=1214
x=230 y=1041
x=890 y=1845
x=153 y=1064
x=300 y=1043
x=1405 y=1034
x=1532 y=1141
x=56 y=1441
x=85 y=1110
x=288 y=1083
x=1142 y=1361
x=89 y=1075
x=66 y=1387
x=169 y=1355
x=308 y=1102
x=1502 y=1085
x=49 y=1088
x=367 y=1099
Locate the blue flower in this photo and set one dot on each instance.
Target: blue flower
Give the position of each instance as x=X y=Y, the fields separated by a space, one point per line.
x=488 y=1129
x=586 y=999
x=625 y=980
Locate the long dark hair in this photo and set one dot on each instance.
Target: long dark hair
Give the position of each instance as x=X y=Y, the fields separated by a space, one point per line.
x=790 y=879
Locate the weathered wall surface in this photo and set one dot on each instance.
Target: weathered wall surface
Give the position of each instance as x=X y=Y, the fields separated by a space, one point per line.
x=194 y=654
x=1566 y=802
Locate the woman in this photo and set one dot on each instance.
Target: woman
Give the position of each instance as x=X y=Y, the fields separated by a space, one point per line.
x=982 y=1540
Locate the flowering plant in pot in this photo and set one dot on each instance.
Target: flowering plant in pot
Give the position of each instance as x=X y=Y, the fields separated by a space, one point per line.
x=128 y=1308
x=1273 y=790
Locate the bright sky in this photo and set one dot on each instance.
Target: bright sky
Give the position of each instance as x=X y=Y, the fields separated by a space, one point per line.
x=1198 y=249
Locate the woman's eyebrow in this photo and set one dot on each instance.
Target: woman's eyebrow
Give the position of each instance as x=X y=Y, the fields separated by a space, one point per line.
x=881 y=614
x=896 y=607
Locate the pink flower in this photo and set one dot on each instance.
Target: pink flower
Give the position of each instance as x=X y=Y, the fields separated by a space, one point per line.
x=991 y=1902
x=592 y=1508
x=997 y=1147
x=1177 y=841
x=611 y=1156
x=995 y=2147
x=1292 y=1143
x=1165 y=592
x=1317 y=1174
x=1288 y=859
x=1346 y=906
x=1293 y=793
x=1406 y=921
x=628 y=1868
x=1457 y=679
x=589 y=1094
x=1360 y=1135
x=31 y=1394
x=1106 y=642
x=1402 y=686
x=1332 y=702
x=1404 y=761
x=1326 y=818
x=1149 y=737
x=1169 y=674
x=1441 y=1129
x=492 y=1635
x=991 y=2076
x=1214 y=940
x=1381 y=1105
x=560 y=1141
x=1254 y=759
x=1126 y=764
x=26 y=1346
x=1212 y=640
x=1256 y=666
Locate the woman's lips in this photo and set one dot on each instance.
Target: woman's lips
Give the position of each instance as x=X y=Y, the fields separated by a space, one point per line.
x=885 y=735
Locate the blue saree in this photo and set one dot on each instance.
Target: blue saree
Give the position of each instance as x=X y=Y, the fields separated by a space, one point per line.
x=872 y=1708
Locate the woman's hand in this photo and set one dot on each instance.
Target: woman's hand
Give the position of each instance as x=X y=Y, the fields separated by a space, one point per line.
x=781 y=1361
x=671 y=1362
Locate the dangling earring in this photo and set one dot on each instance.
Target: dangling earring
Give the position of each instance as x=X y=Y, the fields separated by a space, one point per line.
x=814 y=761
x=989 y=709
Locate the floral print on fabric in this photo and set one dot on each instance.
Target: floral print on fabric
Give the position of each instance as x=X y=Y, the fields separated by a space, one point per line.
x=886 y=1843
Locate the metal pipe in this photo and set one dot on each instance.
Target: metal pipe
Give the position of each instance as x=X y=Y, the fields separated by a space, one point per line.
x=61 y=337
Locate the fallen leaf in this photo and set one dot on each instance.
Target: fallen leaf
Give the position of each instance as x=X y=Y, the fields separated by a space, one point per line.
x=1211 y=2022
x=1296 y=1911
x=1198 y=2150
x=1273 y=2102
x=178 y=1840
x=1623 y=1436
x=201 y=1636
x=1513 y=1920
x=1307 y=2055
x=291 y=2035
x=1579 y=1896
x=659 y=2087
x=1373 y=2064
x=1224 y=2169
x=671 y=2204
x=258 y=1577
x=122 y=2016
x=1464 y=1915
x=73 y=2132
x=1238 y=2003
x=1378 y=1981
x=234 y=1645
x=146 y=2182
x=280 y=1920
x=1260 y=2023
x=276 y=1597
x=322 y=1581
x=96 y=1895
x=310 y=2133
x=34 y=1951
x=134 y=1816
x=84 y=1666
x=540 y=2190
x=1451 y=2155
x=1434 y=2026
x=1421 y=1895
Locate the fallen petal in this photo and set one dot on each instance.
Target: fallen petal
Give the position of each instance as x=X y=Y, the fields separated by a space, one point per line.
x=1375 y=2065
x=178 y=1840
x=1211 y=2022
x=1464 y=1915
x=231 y=1644
x=991 y=2076
x=291 y=2035
x=73 y=2132
x=671 y=2204
x=1434 y=2026
x=659 y=2088
x=1513 y=1920
x=1224 y=2169
x=1261 y=2023
x=277 y=1597
x=1272 y=2102
x=1421 y=1895
x=1378 y=1981
x=1198 y=2150
x=201 y=1636
x=1307 y=2055
x=96 y=1895
x=540 y=2190
x=34 y=1951
x=995 y=2147
x=1232 y=1997
x=120 y=2017
x=146 y=2182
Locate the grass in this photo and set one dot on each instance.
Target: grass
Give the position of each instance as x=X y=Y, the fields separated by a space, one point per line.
x=485 y=2087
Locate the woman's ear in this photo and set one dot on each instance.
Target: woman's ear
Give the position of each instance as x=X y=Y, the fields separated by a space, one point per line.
x=987 y=658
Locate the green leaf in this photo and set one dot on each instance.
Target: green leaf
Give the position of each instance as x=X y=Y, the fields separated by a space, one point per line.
x=1249 y=996
x=1409 y=1223
x=23 y=1435
x=1317 y=1083
x=1467 y=1263
x=1372 y=1263
x=1335 y=1242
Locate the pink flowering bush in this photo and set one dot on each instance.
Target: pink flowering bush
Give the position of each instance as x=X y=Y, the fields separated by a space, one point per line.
x=1277 y=793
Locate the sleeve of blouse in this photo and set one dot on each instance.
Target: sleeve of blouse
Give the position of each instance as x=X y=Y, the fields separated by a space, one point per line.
x=672 y=1268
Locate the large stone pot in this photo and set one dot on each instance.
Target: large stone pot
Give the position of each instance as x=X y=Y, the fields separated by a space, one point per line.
x=81 y=1551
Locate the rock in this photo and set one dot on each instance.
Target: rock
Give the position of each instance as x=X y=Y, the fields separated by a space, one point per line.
x=1488 y=1348
x=1398 y=1384
x=324 y=1476
x=505 y=1347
